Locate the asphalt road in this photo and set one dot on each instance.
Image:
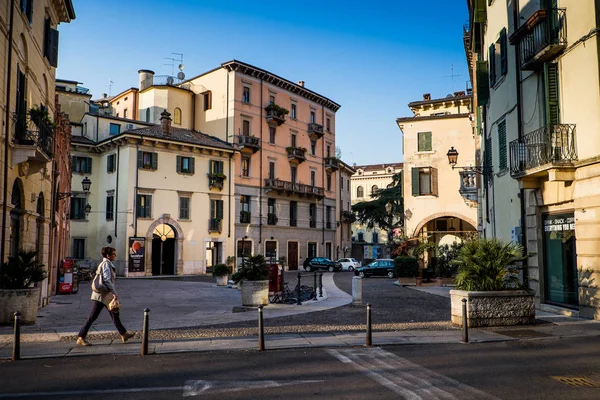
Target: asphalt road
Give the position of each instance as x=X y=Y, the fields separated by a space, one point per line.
x=507 y=370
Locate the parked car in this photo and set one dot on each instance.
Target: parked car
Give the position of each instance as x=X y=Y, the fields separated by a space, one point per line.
x=349 y=264
x=323 y=263
x=379 y=267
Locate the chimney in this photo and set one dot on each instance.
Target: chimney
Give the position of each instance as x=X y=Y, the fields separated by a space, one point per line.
x=165 y=122
x=104 y=95
x=146 y=78
x=301 y=83
x=427 y=97
x=459 y=94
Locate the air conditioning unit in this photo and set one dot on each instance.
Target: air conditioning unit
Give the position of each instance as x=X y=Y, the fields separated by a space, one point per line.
x=130 y=126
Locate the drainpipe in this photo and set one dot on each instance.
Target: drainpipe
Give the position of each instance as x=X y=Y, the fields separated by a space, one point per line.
x=261 y=166
x=229 y=196
x=137 y=177
x=117 y=188
x=227 y=111
x=6 y=131
x=323 y=174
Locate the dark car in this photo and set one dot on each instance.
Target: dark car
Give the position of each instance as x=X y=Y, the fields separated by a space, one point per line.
x=317 y=263
x=380 y=267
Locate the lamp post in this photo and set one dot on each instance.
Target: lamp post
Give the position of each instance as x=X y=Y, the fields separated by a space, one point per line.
x=85 y=184
x=453 y=159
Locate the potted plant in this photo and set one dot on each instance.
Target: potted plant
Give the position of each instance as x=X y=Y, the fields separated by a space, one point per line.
x=253 y=276
x=488 y=278
x=220 y=272
x=16 y=277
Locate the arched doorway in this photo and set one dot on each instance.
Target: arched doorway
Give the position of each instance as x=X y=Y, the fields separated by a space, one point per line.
x=164 y=240
x=16 y=217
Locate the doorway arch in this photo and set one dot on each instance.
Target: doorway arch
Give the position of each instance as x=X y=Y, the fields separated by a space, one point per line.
x=17 y=199
x=173 y=235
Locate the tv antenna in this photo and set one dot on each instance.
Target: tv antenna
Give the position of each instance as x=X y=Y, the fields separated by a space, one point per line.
x=452 y=75
x=110 y=83
x=180 y=66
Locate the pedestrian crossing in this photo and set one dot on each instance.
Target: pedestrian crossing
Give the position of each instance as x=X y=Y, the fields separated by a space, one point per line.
x=405 y=378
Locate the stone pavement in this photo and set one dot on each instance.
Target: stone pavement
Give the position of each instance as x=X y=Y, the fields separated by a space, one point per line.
x=178 y=304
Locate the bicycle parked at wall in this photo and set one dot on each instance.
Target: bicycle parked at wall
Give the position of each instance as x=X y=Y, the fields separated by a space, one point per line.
x=287 y=296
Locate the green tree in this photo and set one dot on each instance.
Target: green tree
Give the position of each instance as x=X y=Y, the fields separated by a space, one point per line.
x=385 y=210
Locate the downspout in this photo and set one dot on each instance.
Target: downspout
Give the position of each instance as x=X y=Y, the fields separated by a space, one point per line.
x=232 y=154
x=229 y=196
x=137 y=173
x=323 y=176
x=6 y=131
x=117 y=188
x=261 y=163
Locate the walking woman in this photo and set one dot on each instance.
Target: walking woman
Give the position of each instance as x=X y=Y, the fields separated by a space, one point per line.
x=101 y=300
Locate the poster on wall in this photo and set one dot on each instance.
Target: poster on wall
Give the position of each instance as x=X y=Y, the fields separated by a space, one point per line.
x=137 y=251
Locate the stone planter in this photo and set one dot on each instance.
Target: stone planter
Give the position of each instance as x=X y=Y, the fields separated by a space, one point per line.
x=221 y=280
x=255 y=293
x=23 y=300
x=494 y=308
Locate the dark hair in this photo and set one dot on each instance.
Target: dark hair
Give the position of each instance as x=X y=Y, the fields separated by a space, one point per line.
x=107 y=251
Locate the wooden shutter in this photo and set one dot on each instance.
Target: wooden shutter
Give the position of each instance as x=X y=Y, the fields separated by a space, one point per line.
x=552 y=94
x=488 y=161
x=46 y=43
x=480 y=12
x=109 y=164
x=428 y=140
x=492 y=63
x=140 y=157
x=220 y=209
x=502 y=155
x=192 y=167
x=178 y=164
x=434 y=181
x=483 y=88
x=503 y=53
x=148 y=206
x=88 y=165
x=74 y=167
x=53 y=48
x=415 y=181
x=220 y=166
x=155 y=161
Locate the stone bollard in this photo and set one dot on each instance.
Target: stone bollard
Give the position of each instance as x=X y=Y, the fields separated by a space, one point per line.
x=357 y=291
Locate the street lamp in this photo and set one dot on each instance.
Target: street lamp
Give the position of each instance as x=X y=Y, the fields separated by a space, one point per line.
x=453 y=159
x=85 y=185
x=88 y=209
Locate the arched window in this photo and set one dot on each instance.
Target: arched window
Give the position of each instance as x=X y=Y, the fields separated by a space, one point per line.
x=177 y=116
x=360 y=192
x=147 y=115
x=373 y=189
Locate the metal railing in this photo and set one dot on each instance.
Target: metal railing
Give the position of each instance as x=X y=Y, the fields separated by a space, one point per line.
x=315 y=128
x=245 y=217
x=296 y=152
x=293 y=187
x=35 y=133
x=215 y=224
x=549 y=144
x=549 y=35
x=166 y=80
x=468 y=184
x=332 y=163
x=215 y=182
x=273 y=115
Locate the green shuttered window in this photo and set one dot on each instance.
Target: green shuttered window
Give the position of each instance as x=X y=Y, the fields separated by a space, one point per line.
x=424 y=141
x=502 y=155
x=552 y=94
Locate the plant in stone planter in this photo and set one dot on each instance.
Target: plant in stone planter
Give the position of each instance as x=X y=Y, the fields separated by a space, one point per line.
x=16 y=277
x=220 y=272
x=253 y=275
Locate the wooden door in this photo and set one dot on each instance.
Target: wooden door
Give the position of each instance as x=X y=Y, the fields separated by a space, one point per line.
x=293 y=256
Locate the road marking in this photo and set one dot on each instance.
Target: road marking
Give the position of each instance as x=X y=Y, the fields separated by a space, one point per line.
x=202 y=387
x=85 y=392
x=405 y=378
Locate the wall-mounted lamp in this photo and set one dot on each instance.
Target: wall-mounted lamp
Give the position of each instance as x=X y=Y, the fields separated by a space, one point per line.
x=85 y=185
x=453 y=159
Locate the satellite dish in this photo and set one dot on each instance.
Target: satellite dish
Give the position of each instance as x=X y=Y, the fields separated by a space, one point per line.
x=170 y=80
x=180 y=67
x=180 y=75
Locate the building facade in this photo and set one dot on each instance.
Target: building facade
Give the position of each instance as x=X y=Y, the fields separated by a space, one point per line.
x=345 y=216
x=29 y=50
x=539 y=93
x=440 y=202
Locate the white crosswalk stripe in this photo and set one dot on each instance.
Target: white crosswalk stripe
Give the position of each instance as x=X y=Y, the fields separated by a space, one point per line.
x=407 y=379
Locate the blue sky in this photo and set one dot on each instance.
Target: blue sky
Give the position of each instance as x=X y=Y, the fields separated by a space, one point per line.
x=372 y=57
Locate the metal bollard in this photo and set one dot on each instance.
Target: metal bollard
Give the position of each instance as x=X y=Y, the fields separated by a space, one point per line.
x=145 y=332
x=320 y=284
x=465 y=322
x=298 y=302
x=315 y=287
x=261 y=329
x=369 y=342
x=16 y=355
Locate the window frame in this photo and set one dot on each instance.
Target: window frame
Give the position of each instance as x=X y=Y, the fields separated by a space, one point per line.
x=147 y=160
x=143 y=211
x=294 y=111
x=184 y=211
x=246 y=94
x=112 y=127
x=272 y=134
x=417 y=189
x=180 y=162
x=110 y=211
x=78 y=161
x=245 y=165
x=428 y=139
x=207 y=100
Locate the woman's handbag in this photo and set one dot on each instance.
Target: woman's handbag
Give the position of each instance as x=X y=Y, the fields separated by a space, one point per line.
x=114 y=306
x=98 y=285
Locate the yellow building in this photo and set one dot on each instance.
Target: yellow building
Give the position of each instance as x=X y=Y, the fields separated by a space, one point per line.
x=538 y=92
x=29 y=54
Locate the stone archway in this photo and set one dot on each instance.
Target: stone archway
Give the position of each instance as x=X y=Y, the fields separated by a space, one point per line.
x=167 y=220
x=441 y=215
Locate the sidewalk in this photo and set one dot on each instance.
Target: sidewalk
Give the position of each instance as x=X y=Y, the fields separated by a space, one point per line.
x=177 y=304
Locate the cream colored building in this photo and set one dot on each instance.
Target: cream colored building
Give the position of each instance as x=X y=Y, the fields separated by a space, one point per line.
x=370 y=243
x=346 y=216
x=440 y=203
x=29 y=42
x=539 y=92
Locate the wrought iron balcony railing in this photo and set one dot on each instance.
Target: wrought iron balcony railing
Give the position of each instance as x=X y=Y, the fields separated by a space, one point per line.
x=296 y=154
x=312 y=223
x=332 y=164
x=216 y=181
x=553 y=144
x=245 y=217
x=37 y=133
x=315 y=130
x=248 y=144
x=293 y=188
x=468 y=185
x=215 y=225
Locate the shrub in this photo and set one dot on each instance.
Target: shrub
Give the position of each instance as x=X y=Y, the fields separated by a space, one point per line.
x=21 y=271
x=446 y=267
x=220 y=270
x=406 y=266
x=254 y=268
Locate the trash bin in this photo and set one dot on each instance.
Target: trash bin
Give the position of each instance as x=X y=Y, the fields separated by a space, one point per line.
x=274 y=281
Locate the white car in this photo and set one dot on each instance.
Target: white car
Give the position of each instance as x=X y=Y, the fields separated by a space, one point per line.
x=349 y=264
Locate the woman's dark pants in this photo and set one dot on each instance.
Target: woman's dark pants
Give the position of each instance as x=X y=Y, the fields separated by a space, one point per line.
x=96 y=310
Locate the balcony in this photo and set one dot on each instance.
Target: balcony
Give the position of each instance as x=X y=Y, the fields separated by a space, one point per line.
x=245 y=217
x=33 y=140
x=315 y=131
x=248 y=144
x=272 y=219
x=312 y=223
x=292 y=188
x=296 y=155
x=216 y=181
x=215 y=225
x=550 y=147
x=332 y=164
x=275 y=115
x=348 y=217
x=541 y=38
x=468 y=185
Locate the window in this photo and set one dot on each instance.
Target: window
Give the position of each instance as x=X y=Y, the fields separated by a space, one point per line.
x=185 y=165
x=312 y=213
x=147 y=160
x=246 y=127
x=245 y=166
x=328 y=150
x=207 y=100
x=293 y=174
x=360 y=192
x=424 y=141
x=27 y=8
x=312 y=117
x=373 y=189
x=246 y=95
x=552 y=94
x=114 y=129
x=361 y=237
x=125 y=113
x=502 y=155
x=271 y=250
x=245 y=209
x=271 y=170
x=50 y=43
x=375 y=237
x=216 y=214
x=110 y=206
x=498 y=58
x=328 y=181
x=293 y=213
x=143 y=206
x=79 y=249
x=328 y=217
x=313 y=147
x=328 y=124
x=81 y=165
x=271 y=212
x=312 y=249
x=313 y=178
x=271 y=99
x=487 y=159
x=147 y=115
x=424 y=181
x=78 y=208
x=272 y=134
x=184 y=208
x=293 y=111
x=177 y=116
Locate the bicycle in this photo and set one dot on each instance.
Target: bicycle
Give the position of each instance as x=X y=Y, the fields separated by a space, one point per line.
x=288 y=296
